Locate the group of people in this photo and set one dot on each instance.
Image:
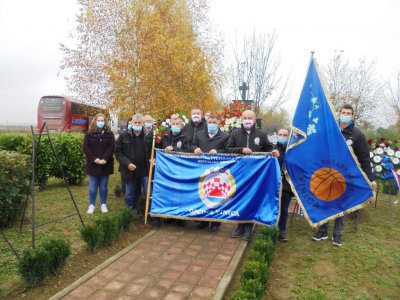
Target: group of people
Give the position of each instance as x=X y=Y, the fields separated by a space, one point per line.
x=201 y=135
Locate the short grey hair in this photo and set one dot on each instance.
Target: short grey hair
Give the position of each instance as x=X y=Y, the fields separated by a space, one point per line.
x=137 y=117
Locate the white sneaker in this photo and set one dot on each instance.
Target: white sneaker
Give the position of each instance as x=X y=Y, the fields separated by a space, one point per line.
x=91 y=209
x=104 y=209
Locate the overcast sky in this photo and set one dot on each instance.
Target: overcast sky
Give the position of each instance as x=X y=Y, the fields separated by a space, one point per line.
x=31 y=31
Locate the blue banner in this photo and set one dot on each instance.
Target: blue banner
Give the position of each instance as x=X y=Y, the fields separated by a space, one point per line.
x=216 y=187
x=322 y=169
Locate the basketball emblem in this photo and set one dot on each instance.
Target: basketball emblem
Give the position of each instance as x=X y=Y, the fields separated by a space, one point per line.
x=179 y=145
x=327 y=184
x=216 y=187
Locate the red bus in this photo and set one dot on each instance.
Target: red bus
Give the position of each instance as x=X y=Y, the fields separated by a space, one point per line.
x=64 y=113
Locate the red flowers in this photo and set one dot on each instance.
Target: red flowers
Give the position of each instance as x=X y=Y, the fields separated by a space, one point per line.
x=383 y=138
x=370 y=140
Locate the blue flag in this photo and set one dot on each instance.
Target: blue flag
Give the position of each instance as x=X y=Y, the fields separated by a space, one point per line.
x=322 y=170
x=216 y=187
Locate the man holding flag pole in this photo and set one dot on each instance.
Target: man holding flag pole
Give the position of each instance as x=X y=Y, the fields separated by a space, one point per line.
x=323 y=171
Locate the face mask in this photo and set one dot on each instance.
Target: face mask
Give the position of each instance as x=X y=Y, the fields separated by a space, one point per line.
x=196 y=118
x=130 y=127
x=248 y=124
x=282 y=140
x=212 y=128
x=100 y=124
x=206 y=117
x=148 y=125
x=345 y=119
x=175 y=129
x=137 y=128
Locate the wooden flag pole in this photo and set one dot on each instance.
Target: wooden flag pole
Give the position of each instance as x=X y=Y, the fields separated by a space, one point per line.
x=146 y=213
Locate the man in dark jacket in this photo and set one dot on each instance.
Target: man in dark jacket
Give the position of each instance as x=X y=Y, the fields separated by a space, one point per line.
x=133 y=153
x=175 y=139
x=286 y=194
x=354 y=138
x=197 y=124
x=246 y=140
x=211 y=141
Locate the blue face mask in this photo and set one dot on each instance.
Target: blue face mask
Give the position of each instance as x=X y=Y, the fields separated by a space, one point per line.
x=100 y=124
x=212 y=128
x=137 y=128
x=129 y=127
x=345 y=119
x=282 y=140
x=148 y=125
x=175 y=129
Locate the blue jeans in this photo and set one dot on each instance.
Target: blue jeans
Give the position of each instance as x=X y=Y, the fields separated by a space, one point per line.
x=130 y=191
x=285 y=201
x=98 y=183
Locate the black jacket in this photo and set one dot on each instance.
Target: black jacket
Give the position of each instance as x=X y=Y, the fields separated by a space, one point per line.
x=356 y=139
x=218 y=142
x=285 y=184
x=133 y=149
x=190 y=130
x=99 y=145
x=178 y=142
x=257 y=141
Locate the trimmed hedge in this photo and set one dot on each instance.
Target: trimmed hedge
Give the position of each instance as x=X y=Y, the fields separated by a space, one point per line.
x=14 y=185
x=48 y=259
x=255 y=270
x=104 y=231
x=68 y=147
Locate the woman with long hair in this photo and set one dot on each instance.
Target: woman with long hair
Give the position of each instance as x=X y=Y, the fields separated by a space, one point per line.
x=98 y=146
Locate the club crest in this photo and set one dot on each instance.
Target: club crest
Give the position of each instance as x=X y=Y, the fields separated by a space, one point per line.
x=257 y=141
x=216 y=187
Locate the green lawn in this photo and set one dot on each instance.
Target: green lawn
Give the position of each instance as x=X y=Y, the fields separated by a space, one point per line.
x=367 y=266
x=51 y=203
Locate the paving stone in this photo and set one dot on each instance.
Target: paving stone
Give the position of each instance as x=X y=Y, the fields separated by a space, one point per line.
x=152 y=292
x=163 y=283
x=203 y=292
x=209 y=281
x=126 y=276
x=102 y=295
x=132 y=289
x=182 y=287
x=143 y=280
x=175 y=296
x=114 y=286
x=171 y=274
x=82 y=291
x=190 y=277
x=196 y=269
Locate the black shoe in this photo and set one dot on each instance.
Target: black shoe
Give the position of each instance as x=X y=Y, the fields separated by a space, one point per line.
x=282 y=237
x=202 y=224
x=238 y=231
x=337 y=241
x=213 y=228
x=248 y=233
x=156 y=223
x=320 y=236
x=181 y=223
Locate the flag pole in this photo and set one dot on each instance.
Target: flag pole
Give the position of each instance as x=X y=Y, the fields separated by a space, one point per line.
x=150 y=178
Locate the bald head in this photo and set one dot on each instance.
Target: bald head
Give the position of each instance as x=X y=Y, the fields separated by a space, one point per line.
x=248 y=115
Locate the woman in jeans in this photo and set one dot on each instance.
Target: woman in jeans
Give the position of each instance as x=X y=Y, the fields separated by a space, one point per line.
x=98 y=146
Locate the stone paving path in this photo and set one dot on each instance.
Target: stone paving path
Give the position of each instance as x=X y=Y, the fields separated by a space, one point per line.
x=171 y=263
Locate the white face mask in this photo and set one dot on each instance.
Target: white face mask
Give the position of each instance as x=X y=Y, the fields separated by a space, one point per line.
x=196 y=118
x=248 y=124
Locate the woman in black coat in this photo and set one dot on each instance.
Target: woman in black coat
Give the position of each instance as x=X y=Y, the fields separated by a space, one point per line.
x=98 y=146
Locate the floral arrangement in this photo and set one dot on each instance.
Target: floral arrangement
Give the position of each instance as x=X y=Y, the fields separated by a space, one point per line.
x=385 y=157
x=231 y=115
x=164 y=125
